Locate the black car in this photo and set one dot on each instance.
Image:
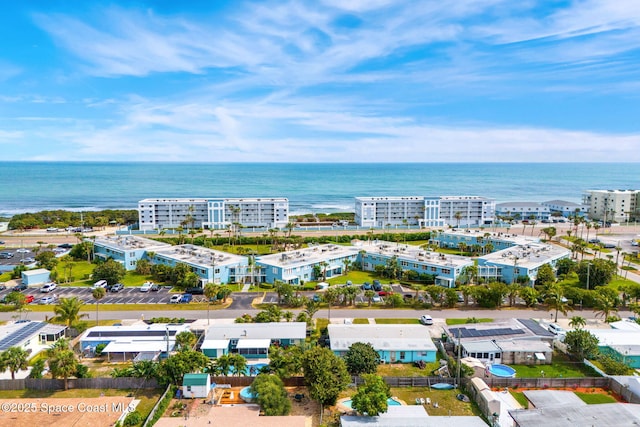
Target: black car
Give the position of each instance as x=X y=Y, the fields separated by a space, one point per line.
x=3 y=287
x=116 y=288
x=65 y=246
x=195 y=290
x=20 y=287
x=377 y=286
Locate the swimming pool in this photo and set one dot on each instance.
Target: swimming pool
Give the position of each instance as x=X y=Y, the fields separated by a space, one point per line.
x=502 y=371
x=247 y=395
x=390 y=402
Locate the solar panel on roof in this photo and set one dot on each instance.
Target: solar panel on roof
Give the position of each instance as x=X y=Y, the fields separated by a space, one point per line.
x=20 y=335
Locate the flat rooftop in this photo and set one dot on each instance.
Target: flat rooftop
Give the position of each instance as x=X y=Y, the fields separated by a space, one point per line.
x=531 y=255
x=521 y=205
x=553 y=398
x=273 y=330
x=505 y=330
x=307 y=256
x=390 y=198
x=602 y=415
x=125 y=243
x=197 y=255
x=472 y=234
x=415 y=253
x=15 y=333
x=381 y=337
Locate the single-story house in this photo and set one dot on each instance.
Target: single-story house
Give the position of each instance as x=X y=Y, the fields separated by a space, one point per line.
x=30 y=335
x=252 y=340
x=621 y=343
x=196 y=385
x=394 y=343
x=139 y=341
x=525 y=351
x=409 y=416
x=35 y=277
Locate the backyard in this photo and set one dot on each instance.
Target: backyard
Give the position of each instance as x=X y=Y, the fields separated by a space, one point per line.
x=562 y=367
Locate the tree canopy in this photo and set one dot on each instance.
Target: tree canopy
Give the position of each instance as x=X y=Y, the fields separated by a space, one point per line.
x=371 y=397
x=271 y=395
x=361 y=358
x=111 y=271
x=326 y=375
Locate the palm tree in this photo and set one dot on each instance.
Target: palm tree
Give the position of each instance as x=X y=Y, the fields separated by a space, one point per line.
x=578 y=322
x=14 y=359
x=556 y=301
x=68 y=311
x=210 y=292
x=63 y=364
x=238 y=364
x=98 y=294
x=186 y=340
x=311 y=307
x=458 y=217
x=369 y=294
x=362 y=254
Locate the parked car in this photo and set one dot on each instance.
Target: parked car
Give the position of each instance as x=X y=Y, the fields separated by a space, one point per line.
x=385 y=293
x=48 y=287
x=20 y=287
x=29 y=299
x=49 y=299
x=175 y=299
x=146 y=286
x=609 y=246
x=425 y=319
x=594 y=240
x=316 y=298
x=186 y=298
x=28 y=260
x=1 y=242
x=197 y=290
x=6 y=255
x=376 y=299
x=116 y=288
x=377 y=286
x=349 y=283
x=100 y=284
x=2 y=286
x=555 y=329
x=366 y=286
x=65 y=246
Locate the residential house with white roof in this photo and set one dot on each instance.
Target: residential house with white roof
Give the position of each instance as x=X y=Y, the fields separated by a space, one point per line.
x=394 y=343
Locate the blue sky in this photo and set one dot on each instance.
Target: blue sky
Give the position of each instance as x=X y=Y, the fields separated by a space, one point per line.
x=302 y=81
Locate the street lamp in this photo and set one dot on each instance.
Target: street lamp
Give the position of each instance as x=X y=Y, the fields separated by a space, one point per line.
x=588 y=275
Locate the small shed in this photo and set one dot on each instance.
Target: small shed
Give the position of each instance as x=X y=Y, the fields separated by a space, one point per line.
x=35 y=277
x=196 y=385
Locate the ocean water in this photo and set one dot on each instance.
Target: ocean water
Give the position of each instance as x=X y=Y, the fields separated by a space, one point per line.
x=310 y=187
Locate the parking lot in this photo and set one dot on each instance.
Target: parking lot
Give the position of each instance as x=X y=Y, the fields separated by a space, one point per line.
x=125 y=296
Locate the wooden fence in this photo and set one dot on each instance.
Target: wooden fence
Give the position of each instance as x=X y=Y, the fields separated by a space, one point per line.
x=78 y=383
x=585 y=382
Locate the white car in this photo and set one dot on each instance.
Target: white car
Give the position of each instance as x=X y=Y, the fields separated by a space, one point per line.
x=146 y=286
x=175 y=299
x=23 y=251
x=47 y=300
x=48 y=287
x=425 y=319
x=100 y=284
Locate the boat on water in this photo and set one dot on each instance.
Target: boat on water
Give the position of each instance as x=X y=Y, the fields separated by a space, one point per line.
x=442 y=386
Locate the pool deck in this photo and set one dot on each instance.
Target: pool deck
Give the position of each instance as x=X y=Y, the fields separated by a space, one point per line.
x=340 y=406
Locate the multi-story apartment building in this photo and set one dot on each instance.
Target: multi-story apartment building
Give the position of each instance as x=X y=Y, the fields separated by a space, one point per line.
x=467 y=211
x=612 y=205
x=523 y=211
x=389 y=211
x=212 y=213
x=566 y=209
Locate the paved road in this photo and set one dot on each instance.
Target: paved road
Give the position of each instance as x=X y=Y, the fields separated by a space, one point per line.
x=230 y=313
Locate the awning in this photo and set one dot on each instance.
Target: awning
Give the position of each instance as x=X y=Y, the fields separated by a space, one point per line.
x=255 y=343
x=540 y=356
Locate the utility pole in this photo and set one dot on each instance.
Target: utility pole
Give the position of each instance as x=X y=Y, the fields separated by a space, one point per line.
x=588 y=275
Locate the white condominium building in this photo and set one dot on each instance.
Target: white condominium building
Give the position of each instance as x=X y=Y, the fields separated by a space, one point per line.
x=212 y=213
x=612 y=205
x=467 y=211
x=383 y=211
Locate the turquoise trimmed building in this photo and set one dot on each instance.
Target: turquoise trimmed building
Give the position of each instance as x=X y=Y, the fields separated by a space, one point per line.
x=394 y=343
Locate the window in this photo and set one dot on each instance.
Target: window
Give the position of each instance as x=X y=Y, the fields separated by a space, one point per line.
x=402 y=355
x=188 y=388
x=485 y=355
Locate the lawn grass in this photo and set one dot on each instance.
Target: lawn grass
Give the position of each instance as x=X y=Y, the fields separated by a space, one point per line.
x=460 y=321
x=446 y=400
x=595 y=398
x=561 y=367
x=398 y=321
x=5 y=277
x=357 y=277
x=360 y=321
x=80 y=272
x=520 y=397
x=138 y=307
x=407 y=369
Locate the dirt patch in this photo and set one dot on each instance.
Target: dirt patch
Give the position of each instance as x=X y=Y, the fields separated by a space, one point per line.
x=62 y=412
